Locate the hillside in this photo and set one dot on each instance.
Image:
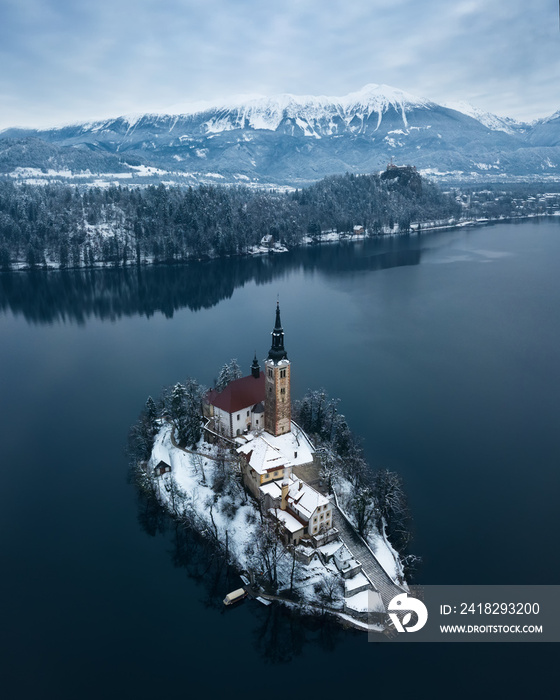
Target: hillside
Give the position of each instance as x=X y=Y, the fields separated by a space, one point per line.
x=63 y=226
x=291 y=140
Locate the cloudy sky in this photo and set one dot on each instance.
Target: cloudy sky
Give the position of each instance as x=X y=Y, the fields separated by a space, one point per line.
x=74 y=60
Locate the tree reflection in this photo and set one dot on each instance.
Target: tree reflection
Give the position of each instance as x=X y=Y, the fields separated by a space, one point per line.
x=279 y=634
x=108 y=294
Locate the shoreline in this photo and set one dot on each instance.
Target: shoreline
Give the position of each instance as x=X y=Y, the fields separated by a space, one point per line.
x=181 y=493
x=327 y=238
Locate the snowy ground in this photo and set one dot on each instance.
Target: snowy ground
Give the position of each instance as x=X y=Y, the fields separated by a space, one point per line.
x=215 y=514
x=199 y=496
x=187 y=489
x=376 y=541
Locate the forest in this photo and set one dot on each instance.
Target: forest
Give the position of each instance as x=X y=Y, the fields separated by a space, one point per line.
x=61 y=226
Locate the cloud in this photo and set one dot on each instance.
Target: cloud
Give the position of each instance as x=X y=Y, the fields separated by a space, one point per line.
x=71 y=60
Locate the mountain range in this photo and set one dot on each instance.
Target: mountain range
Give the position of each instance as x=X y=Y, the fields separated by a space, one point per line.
x=290 y=140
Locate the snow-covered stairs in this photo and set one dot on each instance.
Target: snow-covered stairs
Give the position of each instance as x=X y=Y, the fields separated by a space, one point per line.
x=371 y=567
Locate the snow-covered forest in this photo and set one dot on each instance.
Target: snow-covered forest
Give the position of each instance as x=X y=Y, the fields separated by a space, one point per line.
x=63 y=226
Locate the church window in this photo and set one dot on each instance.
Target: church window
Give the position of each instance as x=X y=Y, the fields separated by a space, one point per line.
x=295 y=455
x=282 y=390
x=270 y=373
x=238 y=416
x=247 y=413
x=282 y=373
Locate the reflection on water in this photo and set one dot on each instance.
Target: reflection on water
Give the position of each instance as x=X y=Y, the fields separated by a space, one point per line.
x=450 y=373
x=278 y=635
x=44 y=297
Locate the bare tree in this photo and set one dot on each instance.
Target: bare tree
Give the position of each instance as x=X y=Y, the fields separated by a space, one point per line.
x=267 y=549
x=363 y=509
x=197 y=461
x=328 y=588
x=392 y=513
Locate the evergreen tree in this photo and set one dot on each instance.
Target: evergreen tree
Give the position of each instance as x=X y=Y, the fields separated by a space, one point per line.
x=229 y=373
x=5 y=262
x=152 y=417
x=194 y=395
x=223 y=378
x=235 y=371
x=178 y=411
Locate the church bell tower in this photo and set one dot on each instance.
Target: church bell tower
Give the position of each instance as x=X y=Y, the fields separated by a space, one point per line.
x=277 y=410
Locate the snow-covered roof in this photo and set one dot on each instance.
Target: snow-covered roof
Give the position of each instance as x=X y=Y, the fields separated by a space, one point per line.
x=344 y=560
x=263 y=457
x=357 y=581
x=271 y=489
x=293 y=443
x=330 y=548
x=288 y=520
x=270 y=451
x=160 y=453
x=305 y=549
x=304 y=499
x=295 y=446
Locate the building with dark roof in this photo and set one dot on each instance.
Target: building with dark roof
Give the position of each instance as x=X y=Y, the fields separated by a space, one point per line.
x=240 y=406
x=260 y=401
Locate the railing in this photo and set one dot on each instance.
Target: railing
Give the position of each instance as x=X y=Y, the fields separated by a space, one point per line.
x=365 y=543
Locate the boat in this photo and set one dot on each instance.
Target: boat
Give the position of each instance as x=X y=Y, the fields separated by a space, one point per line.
x=235 y=596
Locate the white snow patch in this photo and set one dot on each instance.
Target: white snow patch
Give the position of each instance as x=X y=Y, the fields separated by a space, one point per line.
x=357 y=581
x=487 y=119
x=145 y=170
x=365 y=601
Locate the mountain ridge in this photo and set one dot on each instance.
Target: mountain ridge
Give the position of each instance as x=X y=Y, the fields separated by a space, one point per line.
x=290 y=139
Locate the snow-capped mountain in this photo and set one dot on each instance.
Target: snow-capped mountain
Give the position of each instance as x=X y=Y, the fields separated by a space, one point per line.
x=291 y=139
x=314 y=116
x=491 y=121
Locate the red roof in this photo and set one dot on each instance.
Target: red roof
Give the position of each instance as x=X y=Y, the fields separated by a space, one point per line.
x=241 y=393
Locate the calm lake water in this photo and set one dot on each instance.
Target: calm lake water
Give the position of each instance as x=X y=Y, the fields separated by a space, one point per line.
x=444 y=352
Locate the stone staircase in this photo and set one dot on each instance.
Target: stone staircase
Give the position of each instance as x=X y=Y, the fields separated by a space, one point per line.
x=370 y=566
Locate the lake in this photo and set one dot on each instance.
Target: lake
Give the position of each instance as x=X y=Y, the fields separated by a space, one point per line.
x=444 y=352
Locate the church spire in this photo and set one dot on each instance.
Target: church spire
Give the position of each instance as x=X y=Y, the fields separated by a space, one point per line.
x=277 y=351
x=255 y=369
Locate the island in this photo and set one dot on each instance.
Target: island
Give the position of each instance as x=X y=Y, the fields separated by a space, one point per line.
x=290 y=504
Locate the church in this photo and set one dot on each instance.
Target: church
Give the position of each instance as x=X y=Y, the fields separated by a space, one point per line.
x=254 y=413
x=258 y=401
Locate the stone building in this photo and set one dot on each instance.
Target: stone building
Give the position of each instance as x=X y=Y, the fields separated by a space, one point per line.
x=239 y=407
x=277 y=408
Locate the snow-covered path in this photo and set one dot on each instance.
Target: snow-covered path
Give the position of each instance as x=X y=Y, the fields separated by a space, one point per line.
x=372 y=568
